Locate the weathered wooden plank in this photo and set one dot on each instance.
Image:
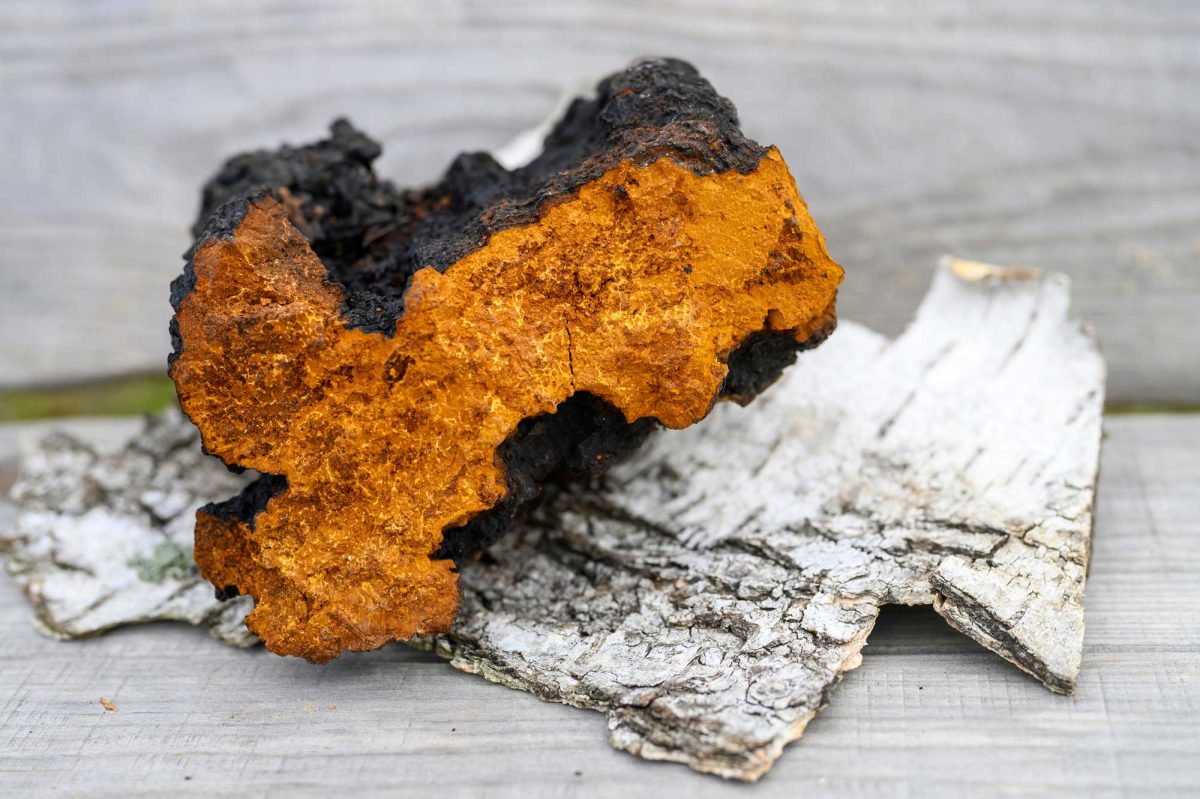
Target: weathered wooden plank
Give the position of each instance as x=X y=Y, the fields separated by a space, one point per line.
x=1025 y=132
x=927 y=713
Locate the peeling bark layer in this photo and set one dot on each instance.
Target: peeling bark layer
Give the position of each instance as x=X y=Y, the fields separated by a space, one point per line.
x=385 y=356
x=711 y=593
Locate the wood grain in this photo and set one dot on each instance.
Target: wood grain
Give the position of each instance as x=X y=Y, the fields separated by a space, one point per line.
x=929 y=712
x=1025 y=133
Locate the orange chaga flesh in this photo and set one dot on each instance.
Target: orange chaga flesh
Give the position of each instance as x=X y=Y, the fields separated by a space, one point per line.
x=634 y=286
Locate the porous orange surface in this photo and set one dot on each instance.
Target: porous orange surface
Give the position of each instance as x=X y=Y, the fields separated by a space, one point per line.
x=635 y=288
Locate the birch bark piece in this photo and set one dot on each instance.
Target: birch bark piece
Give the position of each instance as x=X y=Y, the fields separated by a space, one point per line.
x=104 y=540
x=709 y=595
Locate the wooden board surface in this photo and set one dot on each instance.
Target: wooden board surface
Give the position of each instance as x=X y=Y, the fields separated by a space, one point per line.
x=1062 y=135
x=928 y=713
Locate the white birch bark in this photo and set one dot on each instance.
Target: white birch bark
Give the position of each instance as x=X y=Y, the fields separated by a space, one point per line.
x=104 y=540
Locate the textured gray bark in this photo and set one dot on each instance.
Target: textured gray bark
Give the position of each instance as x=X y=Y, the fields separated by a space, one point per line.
x=710 y=594
x=104 y=540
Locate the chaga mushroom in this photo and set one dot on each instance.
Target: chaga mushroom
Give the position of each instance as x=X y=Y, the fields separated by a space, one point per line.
x=407 y=369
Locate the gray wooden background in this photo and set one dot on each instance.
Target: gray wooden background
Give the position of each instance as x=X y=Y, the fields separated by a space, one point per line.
x=1064 y=135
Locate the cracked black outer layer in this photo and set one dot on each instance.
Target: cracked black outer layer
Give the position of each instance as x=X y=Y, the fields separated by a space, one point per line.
x=372 y=237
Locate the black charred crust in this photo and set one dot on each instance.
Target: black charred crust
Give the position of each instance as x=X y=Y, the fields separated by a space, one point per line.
x=372 y=237
x=250 y=502
x=760 y=360
x=757 y=363
x=582 y=438
x=228 y=592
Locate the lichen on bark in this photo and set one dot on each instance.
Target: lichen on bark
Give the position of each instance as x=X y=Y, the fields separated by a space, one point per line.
x=104 y=539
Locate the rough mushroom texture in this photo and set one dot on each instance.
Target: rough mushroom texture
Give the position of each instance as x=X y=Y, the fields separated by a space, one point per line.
x=407 y=369
x=710 y=597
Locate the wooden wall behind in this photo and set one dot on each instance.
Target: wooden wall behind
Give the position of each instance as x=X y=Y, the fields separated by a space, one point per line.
x=1064 y=135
